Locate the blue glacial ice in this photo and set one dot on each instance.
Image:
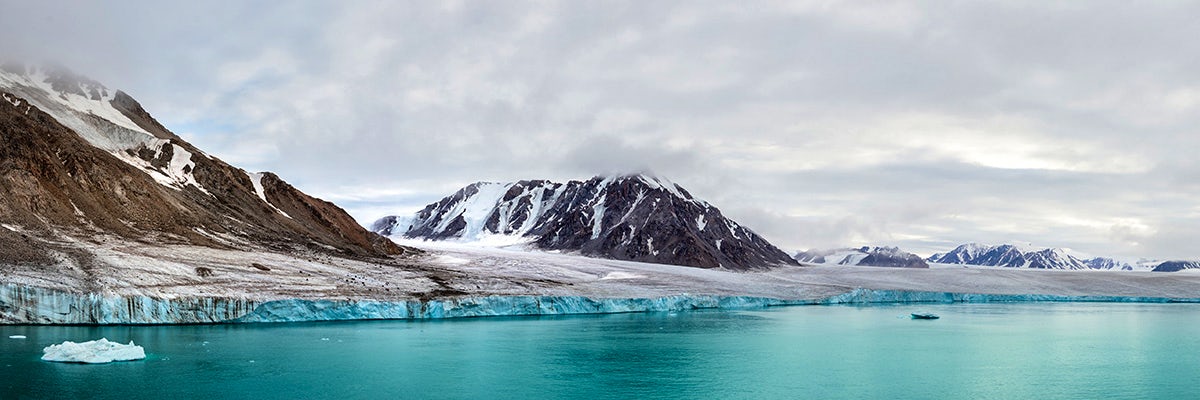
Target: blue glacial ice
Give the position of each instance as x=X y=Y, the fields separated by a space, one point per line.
x=21 y=304
x=490 y=306
x=31 y=305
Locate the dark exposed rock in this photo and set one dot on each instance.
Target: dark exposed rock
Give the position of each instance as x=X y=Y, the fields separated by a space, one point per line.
x=634 y=217
x=134 y=111
x=1175 y=266
x=331 y=223
x=18 y=249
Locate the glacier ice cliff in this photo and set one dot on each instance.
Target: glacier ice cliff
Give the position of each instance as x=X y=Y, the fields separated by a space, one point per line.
x=490 y=306
x=21 y=304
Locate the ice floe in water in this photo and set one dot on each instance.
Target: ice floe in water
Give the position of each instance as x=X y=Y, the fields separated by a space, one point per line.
x=93 y=352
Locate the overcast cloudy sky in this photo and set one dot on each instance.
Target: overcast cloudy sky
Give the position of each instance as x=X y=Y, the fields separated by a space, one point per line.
x=922 y=124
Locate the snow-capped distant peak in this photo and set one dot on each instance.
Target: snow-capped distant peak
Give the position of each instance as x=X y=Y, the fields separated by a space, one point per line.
x=1025 y=255
x=863 y=256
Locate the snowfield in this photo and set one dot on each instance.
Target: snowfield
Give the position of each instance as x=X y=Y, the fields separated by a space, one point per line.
x=161 y=284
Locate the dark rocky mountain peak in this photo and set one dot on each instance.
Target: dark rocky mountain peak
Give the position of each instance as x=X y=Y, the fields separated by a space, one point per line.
x=638 y=217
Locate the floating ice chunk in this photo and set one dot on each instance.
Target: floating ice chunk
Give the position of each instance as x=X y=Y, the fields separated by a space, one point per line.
x=17 y=337
x=93 y=352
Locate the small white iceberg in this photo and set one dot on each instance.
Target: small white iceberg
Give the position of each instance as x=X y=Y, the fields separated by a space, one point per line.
x=93 y=352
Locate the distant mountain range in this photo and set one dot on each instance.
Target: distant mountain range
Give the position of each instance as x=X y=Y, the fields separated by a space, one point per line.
x=863 y=256
x=1013 y=256
x=636 y=217
x=974 y=254
x=1008 y=255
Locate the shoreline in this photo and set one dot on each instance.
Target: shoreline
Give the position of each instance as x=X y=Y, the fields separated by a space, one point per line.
x=27 y=305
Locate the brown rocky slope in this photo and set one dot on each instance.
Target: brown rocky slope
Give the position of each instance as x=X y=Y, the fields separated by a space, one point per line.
x=76 y=161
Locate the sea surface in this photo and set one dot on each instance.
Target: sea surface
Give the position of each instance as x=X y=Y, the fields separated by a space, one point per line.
x=975 y=351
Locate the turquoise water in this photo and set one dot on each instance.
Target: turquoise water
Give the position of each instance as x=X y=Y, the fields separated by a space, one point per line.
x=977 y=351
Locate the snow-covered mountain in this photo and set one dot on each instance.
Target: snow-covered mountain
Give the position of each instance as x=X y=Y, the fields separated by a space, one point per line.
x=636 y=217
x=78 y=160
x=863 y=256
x=1013 y=256
x=1174 y=266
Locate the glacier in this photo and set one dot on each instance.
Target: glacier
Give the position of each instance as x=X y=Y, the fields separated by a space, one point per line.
x=21 y=304
x=99 y=351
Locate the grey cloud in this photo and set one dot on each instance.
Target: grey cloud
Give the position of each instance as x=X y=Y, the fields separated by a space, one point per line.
x=914 y=124
x=611 y=155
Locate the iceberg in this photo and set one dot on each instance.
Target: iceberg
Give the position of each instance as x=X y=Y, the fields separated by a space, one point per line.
x=94 y=352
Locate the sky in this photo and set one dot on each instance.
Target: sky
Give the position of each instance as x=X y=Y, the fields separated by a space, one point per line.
x=817 y=124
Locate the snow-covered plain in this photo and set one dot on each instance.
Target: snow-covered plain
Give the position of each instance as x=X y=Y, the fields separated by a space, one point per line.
x=93 y=352
x=159 y=284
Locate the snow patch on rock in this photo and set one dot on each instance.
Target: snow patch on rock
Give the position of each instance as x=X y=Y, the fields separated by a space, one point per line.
x=256 y=180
